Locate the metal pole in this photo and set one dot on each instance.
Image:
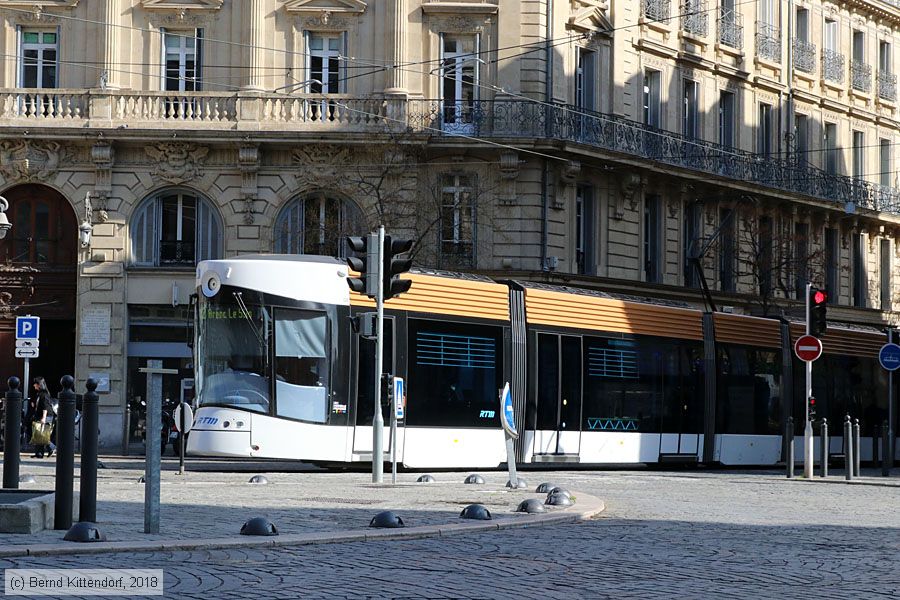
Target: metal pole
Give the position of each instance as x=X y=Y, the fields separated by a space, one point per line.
x=889 y=449
x=65 y=454
x=789 y=447
x=393 y=432
x=87 y=505
x=181 y=438
x=823 y=451
x=126 y=439
x=378 y=420
x=885 y=442
x=26 y=383
x=12 y=448
x=848 y=448
x=155 y=372
x=876 y=439
x=856 y=452
x=807 y=430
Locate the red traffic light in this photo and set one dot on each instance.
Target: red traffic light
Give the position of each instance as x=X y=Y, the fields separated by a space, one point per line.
x=820 y=297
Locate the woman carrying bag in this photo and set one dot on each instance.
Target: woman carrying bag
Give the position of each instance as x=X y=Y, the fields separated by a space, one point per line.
x=44 y=415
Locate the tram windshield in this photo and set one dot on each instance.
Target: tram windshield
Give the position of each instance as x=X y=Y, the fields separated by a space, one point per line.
x=244 y=346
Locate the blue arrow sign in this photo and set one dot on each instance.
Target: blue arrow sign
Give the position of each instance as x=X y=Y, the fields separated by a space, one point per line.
x=889 y=357
x=507 y=415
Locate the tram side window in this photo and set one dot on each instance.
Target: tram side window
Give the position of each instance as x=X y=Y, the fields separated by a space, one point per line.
x=455 y=375
x=619 y=393
x=301 y=365
x=749 y=394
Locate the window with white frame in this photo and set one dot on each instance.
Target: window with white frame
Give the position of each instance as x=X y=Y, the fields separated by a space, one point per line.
x=457 y=221
x=317 y=223
x=859 y=150
x=459 y=80
x=175 y=228
x=324 y=63
x=39 y=56
x=181 y=60
x=886 y=268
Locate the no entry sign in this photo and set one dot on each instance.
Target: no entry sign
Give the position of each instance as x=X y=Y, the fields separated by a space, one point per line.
x=808 y=348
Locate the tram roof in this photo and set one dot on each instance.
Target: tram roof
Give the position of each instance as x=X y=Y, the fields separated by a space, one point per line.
x=601 y=294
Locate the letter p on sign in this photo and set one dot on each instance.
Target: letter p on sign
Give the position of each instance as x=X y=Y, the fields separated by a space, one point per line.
x=28 y=328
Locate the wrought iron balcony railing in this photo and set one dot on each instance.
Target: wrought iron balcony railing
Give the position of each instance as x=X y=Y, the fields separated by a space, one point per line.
x=176 y=253
x=832 y=65
x=695 y=17
x=527 y=119
x=731 y=30
x=768 y=42
x=860 y=76
x=657 y=10
x=887 y=86
x=804 y=56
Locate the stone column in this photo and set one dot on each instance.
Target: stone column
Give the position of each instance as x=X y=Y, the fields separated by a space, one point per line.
x=256 y=28
x=109 y=78
x=395 y=20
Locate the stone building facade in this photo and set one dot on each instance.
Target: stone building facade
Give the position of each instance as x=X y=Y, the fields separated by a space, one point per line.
x=602 y=143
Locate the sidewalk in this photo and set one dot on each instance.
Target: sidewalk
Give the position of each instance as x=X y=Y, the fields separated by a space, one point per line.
x=207 y=509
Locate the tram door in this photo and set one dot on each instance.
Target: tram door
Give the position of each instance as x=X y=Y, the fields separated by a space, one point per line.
x=365 y=393
x=681 y=395
x=558 y=428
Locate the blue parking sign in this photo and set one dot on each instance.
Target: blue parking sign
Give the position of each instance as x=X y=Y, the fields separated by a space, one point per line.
x=28 y=328
x=889 y=357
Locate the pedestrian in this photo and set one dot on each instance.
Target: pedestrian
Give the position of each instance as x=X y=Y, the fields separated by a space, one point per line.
x=43 y=413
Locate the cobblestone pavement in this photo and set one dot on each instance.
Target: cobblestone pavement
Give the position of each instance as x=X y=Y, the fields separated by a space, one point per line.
x=691 y=533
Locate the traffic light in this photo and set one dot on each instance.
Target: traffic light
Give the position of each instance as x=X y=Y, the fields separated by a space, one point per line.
x=817 y=307
x=811 y=409
x=393 y=285
x=368 y=267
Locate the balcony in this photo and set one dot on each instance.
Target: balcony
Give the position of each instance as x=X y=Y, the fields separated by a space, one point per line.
x=860 y=76
x=176 y=253
x=657 y=10
x=832 y=66
x=804 y=56
x=768 y=42
x=695 y=17
x=731 y=30
x=887 y=86
x=206 y=110
x=517 y=119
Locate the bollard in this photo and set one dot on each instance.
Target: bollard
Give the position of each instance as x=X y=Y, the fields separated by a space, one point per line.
x=848 y=448
x=127 y=437
x=876 y=439
x=181 y=415
x=789 y=442
x=12 y=448
x=885 y=442
x=65 y=454
x=856 y=448
x=87 y=505
x=823 y=450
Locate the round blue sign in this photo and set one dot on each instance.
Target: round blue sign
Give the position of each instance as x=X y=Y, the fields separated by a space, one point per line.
x=889 y=357
x=507 y=412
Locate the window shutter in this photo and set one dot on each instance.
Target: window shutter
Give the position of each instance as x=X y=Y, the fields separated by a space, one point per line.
x=21 y=66
x=143 y=235
x=441 y=63
x=342 y=70
x=209 y=239
x=162 y=58
x=198 y=60
x=477 y=60
x=307 y=75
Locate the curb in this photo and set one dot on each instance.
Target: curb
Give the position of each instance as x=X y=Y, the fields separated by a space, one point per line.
x=589 y=507
x=842 y=481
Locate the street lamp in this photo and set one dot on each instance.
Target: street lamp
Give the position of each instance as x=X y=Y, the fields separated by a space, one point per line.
x=5 y=225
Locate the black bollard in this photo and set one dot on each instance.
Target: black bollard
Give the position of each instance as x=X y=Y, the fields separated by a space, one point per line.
x=12 y=448
x=856 y=448
x=87 y=504
x=181 y=415
x=848 y=448
x=789 y=443
x=885 y=442
x=823 y=450
x=65 y=454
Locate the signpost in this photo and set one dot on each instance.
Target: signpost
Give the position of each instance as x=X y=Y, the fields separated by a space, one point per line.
x=152 y=441
x=28 y=341
x=889 y=357
x=398 y=399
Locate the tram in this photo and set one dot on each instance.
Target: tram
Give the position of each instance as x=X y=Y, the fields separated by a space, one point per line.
x=596 y=378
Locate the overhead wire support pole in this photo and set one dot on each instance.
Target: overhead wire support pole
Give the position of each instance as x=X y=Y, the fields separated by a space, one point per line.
x=378 y=420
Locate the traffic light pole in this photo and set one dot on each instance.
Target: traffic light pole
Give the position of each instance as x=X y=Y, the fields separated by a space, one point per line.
x=890 y=446
x=808 y=430
x=378 y=420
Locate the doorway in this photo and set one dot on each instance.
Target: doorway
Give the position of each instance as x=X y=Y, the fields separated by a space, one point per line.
x=557 y=436
x=682 y=395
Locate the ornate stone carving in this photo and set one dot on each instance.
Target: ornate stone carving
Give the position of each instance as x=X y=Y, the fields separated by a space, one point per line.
x=326 y=21
x=248 y=160
x=177 y=162
x=673 y=205
x=103 y=157
x=316 y=6
x=629 y=185
x=29 y=159
x=456 y=23
x=182 y=13
x=568 y=177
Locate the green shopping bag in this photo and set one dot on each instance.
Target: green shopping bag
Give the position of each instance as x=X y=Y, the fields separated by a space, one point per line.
x=40 y=433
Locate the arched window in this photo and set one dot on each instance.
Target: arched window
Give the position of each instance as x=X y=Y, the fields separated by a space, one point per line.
x=317 y=224
x=175 y=228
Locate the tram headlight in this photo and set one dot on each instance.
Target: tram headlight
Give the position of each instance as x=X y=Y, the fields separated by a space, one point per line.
x=211 y=284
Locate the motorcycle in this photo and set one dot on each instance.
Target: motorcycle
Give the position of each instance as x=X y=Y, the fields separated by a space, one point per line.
x=168 y=430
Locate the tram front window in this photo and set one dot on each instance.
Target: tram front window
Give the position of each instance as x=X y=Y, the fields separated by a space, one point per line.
x=233 y=354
